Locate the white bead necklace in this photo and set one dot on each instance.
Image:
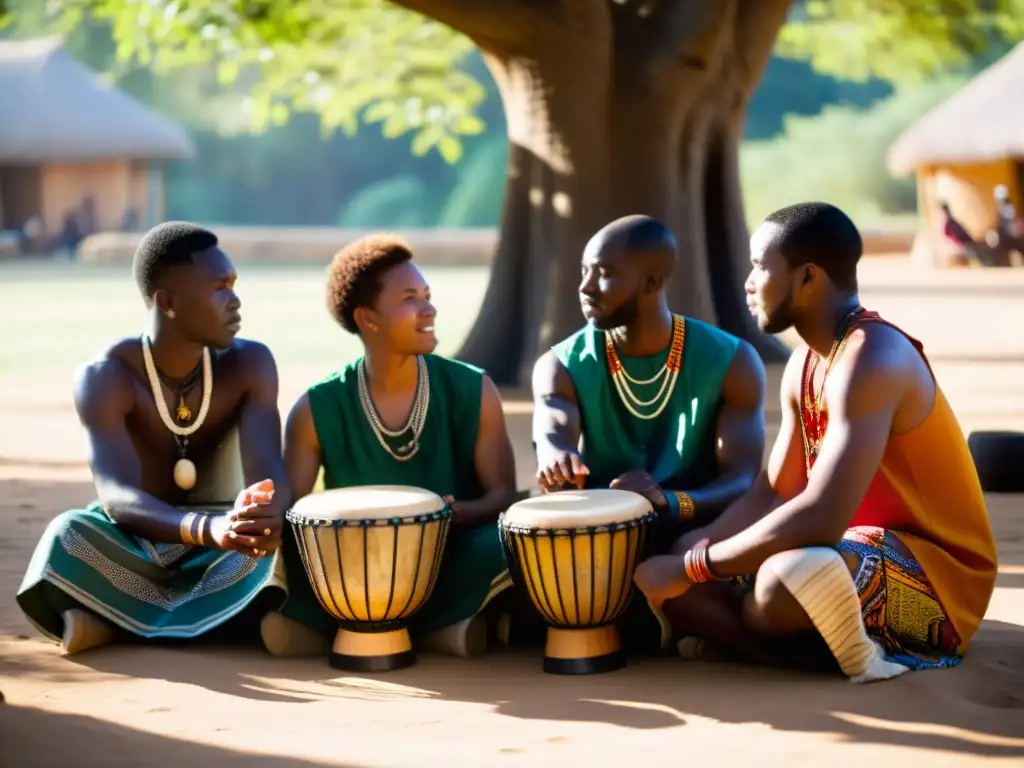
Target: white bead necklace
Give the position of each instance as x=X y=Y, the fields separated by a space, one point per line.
x=417 y=417
x=184 y=469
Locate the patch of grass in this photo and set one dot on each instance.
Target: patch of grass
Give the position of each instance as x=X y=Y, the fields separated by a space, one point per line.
x=55 y=316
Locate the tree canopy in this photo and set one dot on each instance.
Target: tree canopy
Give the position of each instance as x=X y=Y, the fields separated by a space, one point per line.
x=374 y=61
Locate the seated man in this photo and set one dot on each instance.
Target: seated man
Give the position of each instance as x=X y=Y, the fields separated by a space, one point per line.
x=646 y=400
x=174 y=546
x=402 y=415
x=870 y=477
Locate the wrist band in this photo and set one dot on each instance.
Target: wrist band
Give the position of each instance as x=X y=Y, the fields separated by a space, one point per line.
x=204 y=522
x=185 y=528
x=697 y=565
x=197 y=527
x=685 y=504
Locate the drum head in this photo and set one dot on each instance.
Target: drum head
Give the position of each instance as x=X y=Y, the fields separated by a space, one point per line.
x=578 y=509
x=367 y=502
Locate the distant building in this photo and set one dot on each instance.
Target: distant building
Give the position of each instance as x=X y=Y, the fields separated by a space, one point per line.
x=75 y=155
x=962 y=149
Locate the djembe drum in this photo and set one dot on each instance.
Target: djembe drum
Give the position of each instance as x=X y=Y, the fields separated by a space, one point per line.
x=574 y=554
x=372 y=554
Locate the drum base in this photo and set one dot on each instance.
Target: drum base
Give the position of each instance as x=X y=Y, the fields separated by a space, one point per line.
x=372 y=651
x=583 y=651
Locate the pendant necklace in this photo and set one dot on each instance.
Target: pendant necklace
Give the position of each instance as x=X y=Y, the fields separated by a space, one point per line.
x=184 y=469
x=182 y=388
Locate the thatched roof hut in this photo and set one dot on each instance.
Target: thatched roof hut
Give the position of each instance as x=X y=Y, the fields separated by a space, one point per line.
x=964 y=147
x=54 y=109
x=65 y=137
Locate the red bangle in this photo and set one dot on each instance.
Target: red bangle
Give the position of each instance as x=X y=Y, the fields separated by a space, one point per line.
x=698 y=569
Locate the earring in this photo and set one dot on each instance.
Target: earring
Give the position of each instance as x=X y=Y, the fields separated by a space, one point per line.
x=170 y=314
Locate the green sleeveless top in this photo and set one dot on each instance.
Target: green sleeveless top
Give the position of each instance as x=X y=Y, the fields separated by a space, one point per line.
x=444 y=463
x=678 y=447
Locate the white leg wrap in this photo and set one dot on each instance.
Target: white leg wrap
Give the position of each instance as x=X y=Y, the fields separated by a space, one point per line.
x=819 y=579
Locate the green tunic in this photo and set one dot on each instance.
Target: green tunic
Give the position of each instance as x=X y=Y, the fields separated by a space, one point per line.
x=678 y=447
x=473 y=570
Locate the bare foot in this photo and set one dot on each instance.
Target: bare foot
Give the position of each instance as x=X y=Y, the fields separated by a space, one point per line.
x=286 y=637
x=466 y=638
x=83 y=630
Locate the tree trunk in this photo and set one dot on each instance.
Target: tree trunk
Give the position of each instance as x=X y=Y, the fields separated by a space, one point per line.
x=616 y=108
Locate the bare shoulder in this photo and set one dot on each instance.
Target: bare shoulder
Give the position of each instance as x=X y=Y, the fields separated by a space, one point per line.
x=301 y=412
x=745 y=378
x=877 y=349
x=490 y=395
x=551 y=378
x=254 y=357
x=876 y=370
x=106 y=383
x=792 y=375
x=300 y=428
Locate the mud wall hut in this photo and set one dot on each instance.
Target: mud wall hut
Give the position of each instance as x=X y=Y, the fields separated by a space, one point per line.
x=961 y=150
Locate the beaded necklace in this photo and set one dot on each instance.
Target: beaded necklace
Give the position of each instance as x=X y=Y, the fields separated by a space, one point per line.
x=813 y=404
x=669 y=374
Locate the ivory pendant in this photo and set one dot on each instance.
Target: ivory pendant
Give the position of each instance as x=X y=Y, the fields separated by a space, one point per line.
x=185 y=474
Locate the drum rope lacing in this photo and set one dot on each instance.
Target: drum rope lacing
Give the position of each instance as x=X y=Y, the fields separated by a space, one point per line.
x=670 y=372
x=417 y=417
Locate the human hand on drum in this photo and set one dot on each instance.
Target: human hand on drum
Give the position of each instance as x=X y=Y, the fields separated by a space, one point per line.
x=255 y=522
x=639 y=481
x=661 y=578
x=557 y=468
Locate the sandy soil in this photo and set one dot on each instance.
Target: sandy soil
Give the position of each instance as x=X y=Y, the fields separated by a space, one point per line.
x=236 y=706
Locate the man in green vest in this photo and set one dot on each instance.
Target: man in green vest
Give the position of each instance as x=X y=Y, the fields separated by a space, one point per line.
x=646 y=400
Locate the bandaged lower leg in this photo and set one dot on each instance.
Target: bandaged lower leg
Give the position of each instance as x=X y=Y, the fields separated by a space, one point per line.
x=820 y=580
x=83 y=631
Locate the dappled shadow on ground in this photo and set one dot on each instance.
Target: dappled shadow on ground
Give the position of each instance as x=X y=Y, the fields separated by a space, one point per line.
x=976 y=709
x=32 y=738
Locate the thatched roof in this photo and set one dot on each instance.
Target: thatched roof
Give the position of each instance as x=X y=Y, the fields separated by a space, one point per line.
x=982 y=122
x=53 y=109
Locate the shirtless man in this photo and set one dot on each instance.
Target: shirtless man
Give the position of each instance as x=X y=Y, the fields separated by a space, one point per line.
x=604 y=415
x=870 y=478
x=184 y=443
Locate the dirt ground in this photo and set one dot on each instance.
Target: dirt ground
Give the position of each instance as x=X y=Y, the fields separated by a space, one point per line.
x=218 y=706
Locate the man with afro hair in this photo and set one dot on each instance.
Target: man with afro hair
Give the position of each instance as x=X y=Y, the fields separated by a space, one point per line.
x=400 y=414
x=184 y=443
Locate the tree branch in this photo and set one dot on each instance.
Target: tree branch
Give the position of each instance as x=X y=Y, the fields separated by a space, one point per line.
x=757 y=27
x=688 y=31
x=484 y=21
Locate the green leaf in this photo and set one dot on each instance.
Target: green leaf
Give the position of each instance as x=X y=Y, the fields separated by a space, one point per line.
x=468 y=125
x=450 y=149
x=345 y=60
x=228 y=71
x=423 y=141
